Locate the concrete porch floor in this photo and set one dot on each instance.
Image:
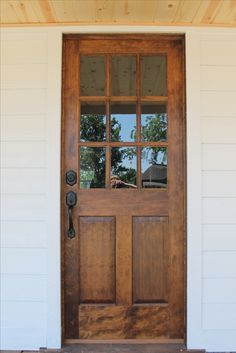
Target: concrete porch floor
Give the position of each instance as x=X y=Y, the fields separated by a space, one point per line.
x=115 y=348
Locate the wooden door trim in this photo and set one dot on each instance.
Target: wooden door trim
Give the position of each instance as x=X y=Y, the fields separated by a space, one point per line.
x=162 y=37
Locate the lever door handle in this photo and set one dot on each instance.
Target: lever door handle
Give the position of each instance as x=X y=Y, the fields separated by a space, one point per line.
x=71 y=200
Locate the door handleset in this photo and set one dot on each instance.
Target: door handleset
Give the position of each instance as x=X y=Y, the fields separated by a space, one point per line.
x=71 y=200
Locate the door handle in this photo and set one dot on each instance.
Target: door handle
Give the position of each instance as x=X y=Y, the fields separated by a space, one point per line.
x=71 y=200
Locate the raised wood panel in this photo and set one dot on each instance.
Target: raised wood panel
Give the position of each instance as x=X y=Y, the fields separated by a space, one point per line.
x=114 y=322
x=219 y=264
x=219 y=130
x=97 y=259
x=178 y=12
x=219 y=237
x=219 y=157
x=23 y=154
x=218 y=104
x=150 y=259
x=26 y=128
x=32 y=234
x=224 y=320
x=219 y=290
x=218 y=210
x=123 y=201
x=219 y=184
x=218 y=78
x=19 y=102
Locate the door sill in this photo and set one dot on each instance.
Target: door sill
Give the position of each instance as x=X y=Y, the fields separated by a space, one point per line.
x=126 y=341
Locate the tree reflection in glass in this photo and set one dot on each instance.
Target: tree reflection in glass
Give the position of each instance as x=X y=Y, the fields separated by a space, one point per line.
x=92 y=167
x=123 y=167
x=92 y=122
x=154 y=167
x=153 y=122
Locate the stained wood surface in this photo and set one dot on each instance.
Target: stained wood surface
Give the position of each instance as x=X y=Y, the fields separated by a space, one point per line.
x=123 y=273
x=162 y=12
x=114 y=322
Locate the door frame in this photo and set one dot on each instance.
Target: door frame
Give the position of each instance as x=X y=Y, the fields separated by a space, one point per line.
x=126 y=36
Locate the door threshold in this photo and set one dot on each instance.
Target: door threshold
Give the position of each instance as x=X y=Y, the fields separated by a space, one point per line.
x=125 y=341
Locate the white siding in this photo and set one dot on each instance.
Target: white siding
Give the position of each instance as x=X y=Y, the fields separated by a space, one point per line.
x=30 y=185
x=218 y=120
x=23 y=188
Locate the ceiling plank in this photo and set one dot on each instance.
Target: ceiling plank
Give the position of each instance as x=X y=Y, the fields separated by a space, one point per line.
x=7 y=12
x=63 y=10
x=84 y=10
x=186 y=11
x=145 y=11
x=124 y=11
x=166 y=10
x=47 y=10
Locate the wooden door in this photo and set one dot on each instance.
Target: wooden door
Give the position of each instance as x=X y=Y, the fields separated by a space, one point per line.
x=123 y=135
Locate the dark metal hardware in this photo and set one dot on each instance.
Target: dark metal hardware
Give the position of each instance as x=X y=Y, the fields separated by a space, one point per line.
x=71 y=200
x=71 y=177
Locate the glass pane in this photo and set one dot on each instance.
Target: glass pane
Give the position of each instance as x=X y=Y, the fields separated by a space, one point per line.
x=123 y=122
x=153 y=76
x=123 y=167
x=93 y=122
x=154 y=167
x=92 y=76
x=123 y=71
x=92 y=167
x=153 y=122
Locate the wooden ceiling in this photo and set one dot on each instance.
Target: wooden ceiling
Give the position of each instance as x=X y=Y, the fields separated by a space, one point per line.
x=131 y=12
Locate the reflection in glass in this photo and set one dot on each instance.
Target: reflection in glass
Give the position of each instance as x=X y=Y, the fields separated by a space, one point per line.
x=154 y=167
x=123 y=122
x=92 y=167
x=123 y=167
x=153 y=75
x=153 y=122
x=93 y=122
x=92 y=76
x=123 y=70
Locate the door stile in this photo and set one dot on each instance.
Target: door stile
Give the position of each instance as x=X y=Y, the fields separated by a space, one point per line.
x=70 y=161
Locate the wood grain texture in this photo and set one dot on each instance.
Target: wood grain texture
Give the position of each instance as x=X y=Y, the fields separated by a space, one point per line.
x=123 y=321
x=149 y=266
x=97 y=259
x=150 y=258
x=149 y=12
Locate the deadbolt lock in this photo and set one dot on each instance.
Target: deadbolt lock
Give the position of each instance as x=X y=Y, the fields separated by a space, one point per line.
x=71 y=177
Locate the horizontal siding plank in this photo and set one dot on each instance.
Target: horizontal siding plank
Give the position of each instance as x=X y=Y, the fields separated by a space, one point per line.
x=20 y=234
x=218 y=52
x=22 y=338
x=26 y=128
x=23 y=207
x=23 y=315
x=20 y=102
x=219 y=183
x=23 y=154
x=219 y=237
x=23 y=181
x=219 y=264
x=219 y=157
x=219 y=316
x=218 y=78
x=23 y=288
x=219 y=340
x=219 y=210
x=24 y=261
x=219 y=130
x=218 y=103
x=219 y=290
x=24 y=51
x=23 y=76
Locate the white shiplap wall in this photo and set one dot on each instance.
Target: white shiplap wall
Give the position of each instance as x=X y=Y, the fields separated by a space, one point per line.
x=24 y=84
x=218 y=122
x=30 y=185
